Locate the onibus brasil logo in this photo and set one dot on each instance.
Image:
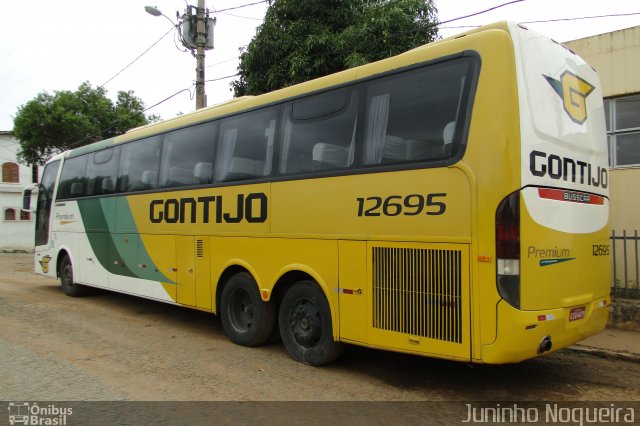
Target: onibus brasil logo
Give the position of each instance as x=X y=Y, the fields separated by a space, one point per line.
x=573 y=91
x=27 y=413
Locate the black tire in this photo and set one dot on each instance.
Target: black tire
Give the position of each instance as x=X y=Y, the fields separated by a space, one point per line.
x=305 y=325
x=246 y=318
x=69 y=287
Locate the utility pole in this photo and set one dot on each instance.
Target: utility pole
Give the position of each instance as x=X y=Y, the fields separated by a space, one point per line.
x=200 y=40
x=201 y=97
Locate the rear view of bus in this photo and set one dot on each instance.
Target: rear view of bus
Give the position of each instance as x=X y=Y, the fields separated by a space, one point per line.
x=552 y=248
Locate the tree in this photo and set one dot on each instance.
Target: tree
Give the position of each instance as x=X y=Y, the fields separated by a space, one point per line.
x=49 y=124
x=302 y=40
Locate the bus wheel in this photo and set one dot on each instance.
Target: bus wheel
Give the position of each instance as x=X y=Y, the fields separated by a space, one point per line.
x=66 y=280
x=246 y=319
x=305 y=325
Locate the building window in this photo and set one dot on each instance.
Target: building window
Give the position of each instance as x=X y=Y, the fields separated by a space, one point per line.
x=9 y=214
x=623 y=130
x=10 y=173
x=25 y=216
x=34 y=173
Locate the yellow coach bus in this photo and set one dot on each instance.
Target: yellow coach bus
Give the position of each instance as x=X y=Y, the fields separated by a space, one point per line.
x=450 y=201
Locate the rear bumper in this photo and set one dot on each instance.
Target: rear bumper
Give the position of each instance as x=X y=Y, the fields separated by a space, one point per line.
x=519 y=333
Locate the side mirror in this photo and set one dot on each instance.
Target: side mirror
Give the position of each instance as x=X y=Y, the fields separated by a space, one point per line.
x=26 y=197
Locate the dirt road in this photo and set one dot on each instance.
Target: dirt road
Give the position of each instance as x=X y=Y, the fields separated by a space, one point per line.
x=114 y=347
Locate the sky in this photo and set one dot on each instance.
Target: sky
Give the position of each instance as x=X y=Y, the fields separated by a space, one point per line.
x=47 y=46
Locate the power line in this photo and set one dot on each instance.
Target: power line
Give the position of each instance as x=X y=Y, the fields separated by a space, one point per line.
x=223 y=78
x=579 y=18
x=241 y=6
x=223 y=62
x=139 y=56
x=188 y=89
x=239 y=16
x=481 y=12
x=542 y=21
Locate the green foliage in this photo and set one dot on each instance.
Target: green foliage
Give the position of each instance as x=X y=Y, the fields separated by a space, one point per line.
x=302 y=40
x=49 y=124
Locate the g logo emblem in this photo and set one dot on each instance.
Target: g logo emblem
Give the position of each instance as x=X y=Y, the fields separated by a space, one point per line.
x=44 y=263
x=573 y=91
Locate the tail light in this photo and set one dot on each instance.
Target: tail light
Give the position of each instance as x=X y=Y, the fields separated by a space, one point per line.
x=508 y=249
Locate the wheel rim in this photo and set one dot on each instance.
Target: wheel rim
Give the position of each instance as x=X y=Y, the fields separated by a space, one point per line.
x=241 y=310
x=306 y=323
x=67 y=276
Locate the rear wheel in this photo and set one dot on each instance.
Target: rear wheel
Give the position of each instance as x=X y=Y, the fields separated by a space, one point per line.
x=246 y=318
x=305 y=325
x=69 y=287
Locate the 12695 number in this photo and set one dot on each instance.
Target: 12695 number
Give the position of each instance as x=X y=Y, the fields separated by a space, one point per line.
x=407 y=205
x=600 y=250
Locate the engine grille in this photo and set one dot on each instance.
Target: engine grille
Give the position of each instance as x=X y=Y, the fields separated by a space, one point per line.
x=418 y=292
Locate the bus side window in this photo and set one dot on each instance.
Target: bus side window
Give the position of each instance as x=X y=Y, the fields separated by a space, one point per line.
x=246 y=144
x=186 y=154
x=139 y=164
x=102 y=171
x=411 y=116
x=73 y=180
x=319 y=132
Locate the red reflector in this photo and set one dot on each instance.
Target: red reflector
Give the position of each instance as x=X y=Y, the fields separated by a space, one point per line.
x=508 y=232
x=542 y=317
x=347 y=291
x=508 y=228
x=570 y=196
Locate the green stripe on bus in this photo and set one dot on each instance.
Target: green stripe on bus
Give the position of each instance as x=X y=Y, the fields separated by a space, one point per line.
x=119 y=253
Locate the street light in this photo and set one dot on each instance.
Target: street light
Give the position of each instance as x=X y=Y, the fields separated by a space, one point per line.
x=201 y=97
x=152 y=10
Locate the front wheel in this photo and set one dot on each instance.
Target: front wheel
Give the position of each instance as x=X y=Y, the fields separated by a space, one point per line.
x=305 y=325
x=66 y=280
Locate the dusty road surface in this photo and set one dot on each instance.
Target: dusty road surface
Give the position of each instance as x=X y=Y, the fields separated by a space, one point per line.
x=110 y=346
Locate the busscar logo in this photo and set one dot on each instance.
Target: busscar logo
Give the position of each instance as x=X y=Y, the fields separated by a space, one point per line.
x=573 y=91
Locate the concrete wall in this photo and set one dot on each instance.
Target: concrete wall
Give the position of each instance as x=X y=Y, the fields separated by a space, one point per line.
x=616 y=58
x=624 y=191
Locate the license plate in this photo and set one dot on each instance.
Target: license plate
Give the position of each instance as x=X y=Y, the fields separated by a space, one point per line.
x=577 y=313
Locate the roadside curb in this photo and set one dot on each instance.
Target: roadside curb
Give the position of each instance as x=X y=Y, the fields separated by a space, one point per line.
x=606 y=353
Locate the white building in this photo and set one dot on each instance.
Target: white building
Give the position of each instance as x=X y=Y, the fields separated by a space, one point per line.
x=16 y=227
